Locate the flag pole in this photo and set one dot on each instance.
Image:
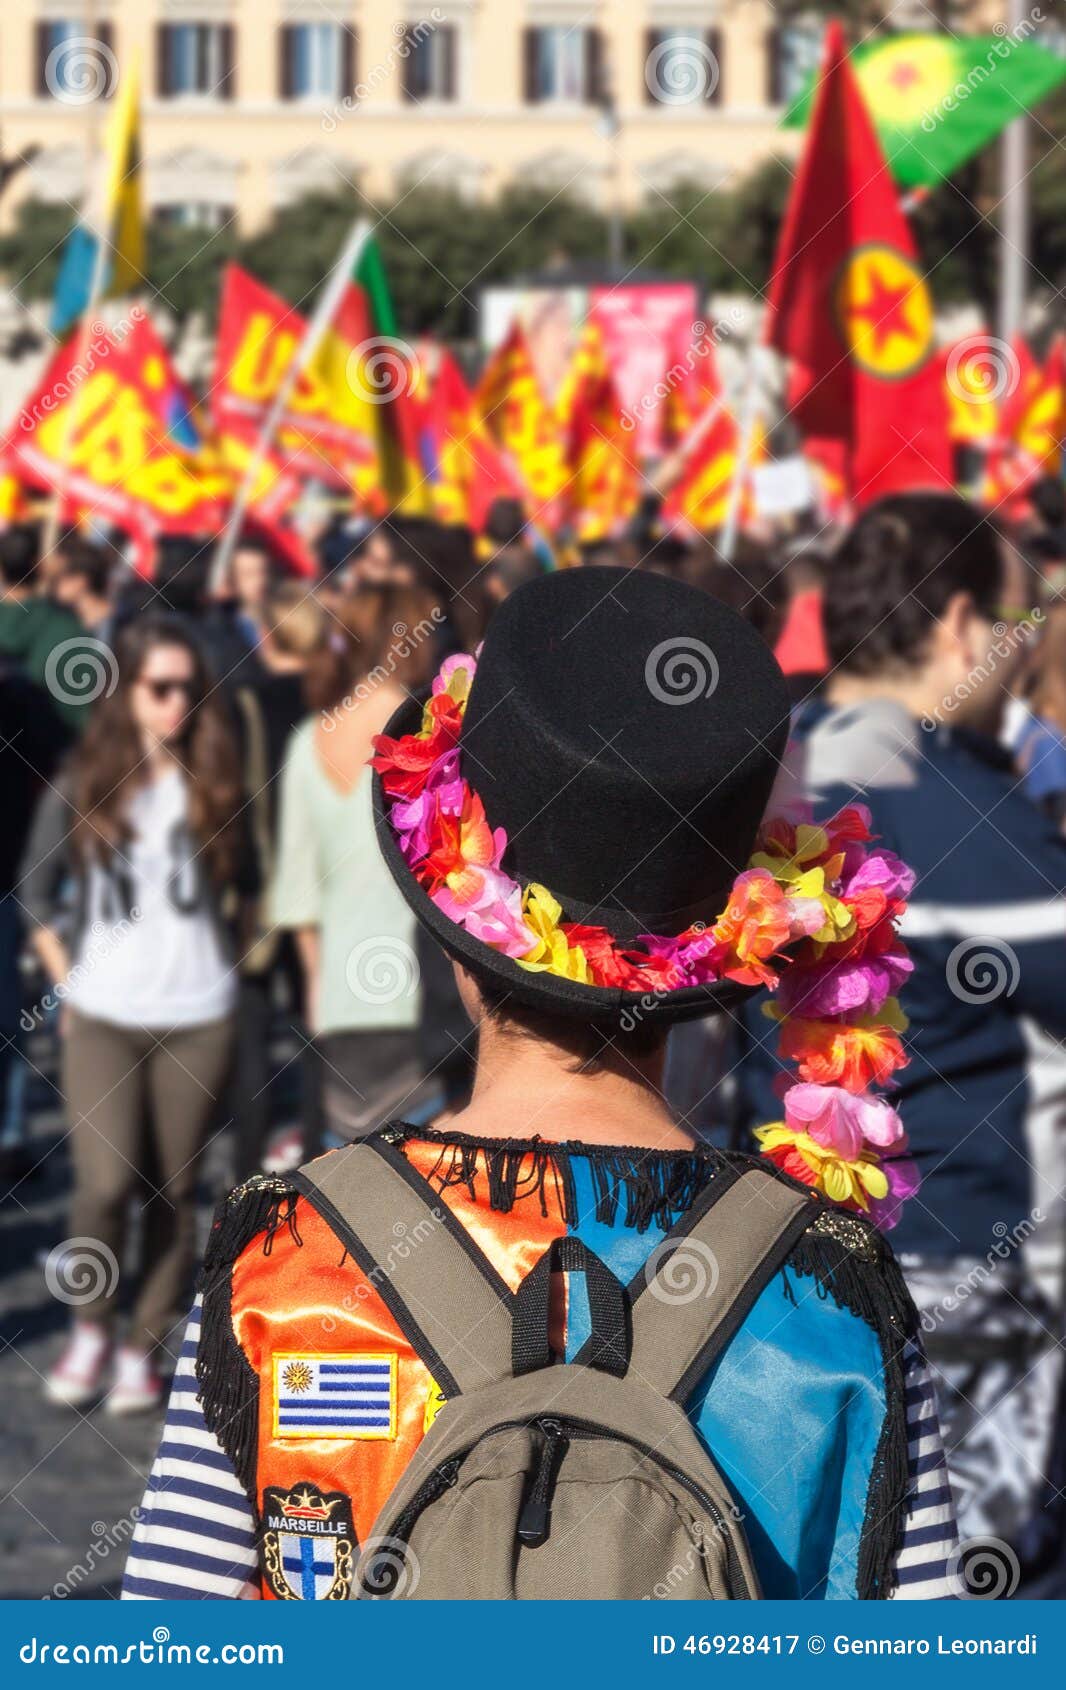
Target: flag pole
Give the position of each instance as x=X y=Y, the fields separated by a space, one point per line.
x=727 y=540
x=1014 y=206
x=317 y=325
x=94 y=119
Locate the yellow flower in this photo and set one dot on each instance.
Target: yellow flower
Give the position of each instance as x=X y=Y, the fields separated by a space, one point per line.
x=818 y=1165
x=803 y=882
x=552 y=953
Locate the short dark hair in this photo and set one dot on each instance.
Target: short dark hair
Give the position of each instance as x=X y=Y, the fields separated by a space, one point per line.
x=590 y=1043
x=895 y=572
x=88 y=562
x=505 y=521
x=20 y=553
x=182 y=573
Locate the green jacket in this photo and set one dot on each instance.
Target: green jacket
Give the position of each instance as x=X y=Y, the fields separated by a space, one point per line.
x=30 y=630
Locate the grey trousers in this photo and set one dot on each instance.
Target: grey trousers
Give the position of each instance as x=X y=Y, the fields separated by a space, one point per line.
x=138 y=1106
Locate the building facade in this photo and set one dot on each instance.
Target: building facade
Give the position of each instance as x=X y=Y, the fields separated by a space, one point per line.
x=251 y=104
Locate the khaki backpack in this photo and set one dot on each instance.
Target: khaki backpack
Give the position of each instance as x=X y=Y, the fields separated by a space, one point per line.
x=549 y=1480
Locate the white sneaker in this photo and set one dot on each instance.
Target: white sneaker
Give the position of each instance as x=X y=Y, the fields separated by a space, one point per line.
x=75 y=1378
x=284 y=1151
x=137 y=1387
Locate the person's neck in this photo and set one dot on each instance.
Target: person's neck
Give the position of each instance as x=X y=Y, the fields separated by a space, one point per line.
x=526 y=1087
x=917 y=692
x=159 y=760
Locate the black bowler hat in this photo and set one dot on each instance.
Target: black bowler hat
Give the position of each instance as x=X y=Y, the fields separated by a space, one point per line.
x=624 y=729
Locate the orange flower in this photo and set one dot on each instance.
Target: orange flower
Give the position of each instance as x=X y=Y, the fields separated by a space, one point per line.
x=754 y=925
x=830 y=1053
x=461 y=847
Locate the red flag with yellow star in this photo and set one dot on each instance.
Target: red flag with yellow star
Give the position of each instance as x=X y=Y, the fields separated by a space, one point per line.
x=848 y=303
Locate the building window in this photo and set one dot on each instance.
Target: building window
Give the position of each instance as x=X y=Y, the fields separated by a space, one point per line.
x=69 y=73
x=793 y=54
x=317 y=61
x=193 y=214
x=194 y=60
x=563 y=65
x=683 y=66
x=429 y=64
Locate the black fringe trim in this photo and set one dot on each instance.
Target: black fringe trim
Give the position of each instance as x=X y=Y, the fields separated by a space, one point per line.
x=229 y=1389
x=648 y=1187
x=851 y=1262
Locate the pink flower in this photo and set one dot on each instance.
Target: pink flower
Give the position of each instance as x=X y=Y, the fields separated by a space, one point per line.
x=495 y=914
x=412 y=818
x=875 y=871
x=450 y=666
x=696 y=955
x=851 y=987
x=805 y=916
x=841 y=1121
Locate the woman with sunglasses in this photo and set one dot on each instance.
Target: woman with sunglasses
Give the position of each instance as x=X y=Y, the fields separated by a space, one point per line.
x=135 y=875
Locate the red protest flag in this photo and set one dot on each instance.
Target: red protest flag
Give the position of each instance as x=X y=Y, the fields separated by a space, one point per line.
x=463 y=469
x=605 y=482
x=1033 y=442
x=512 y=408
x=329 y=426
x=700 y=499
x=692 y=383
x=848 y=303
x=100 y=429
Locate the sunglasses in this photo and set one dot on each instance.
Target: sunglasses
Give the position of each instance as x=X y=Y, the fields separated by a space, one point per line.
x=162 y=688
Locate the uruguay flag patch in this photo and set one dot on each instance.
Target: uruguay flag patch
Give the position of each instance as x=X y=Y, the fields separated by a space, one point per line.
x=335 y=1396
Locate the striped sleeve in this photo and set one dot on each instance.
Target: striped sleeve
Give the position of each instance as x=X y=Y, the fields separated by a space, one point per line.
x=930 y=1539
x=195 y=1539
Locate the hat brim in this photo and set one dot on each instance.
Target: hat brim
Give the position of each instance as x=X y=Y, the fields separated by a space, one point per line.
x=535 y=988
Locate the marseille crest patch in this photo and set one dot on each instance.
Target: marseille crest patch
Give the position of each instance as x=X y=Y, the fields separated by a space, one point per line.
x=308 y=1543
x=335 y=1396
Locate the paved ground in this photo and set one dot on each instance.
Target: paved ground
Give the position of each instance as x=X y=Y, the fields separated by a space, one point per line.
x=68 y=1481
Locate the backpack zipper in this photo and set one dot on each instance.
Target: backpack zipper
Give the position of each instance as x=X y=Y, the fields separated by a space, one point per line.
x=535 y=1518
x=536 y=1511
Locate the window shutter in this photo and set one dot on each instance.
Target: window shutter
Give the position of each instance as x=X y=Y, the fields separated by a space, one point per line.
x=595 y=68
x=105 y=34
x=409 y=69
x=164 y=79
x=228 y=79
x=43 y=44
x=652 y=39
x=449 y=45
x=531 y=90
x=715 y=43
x=773 y=67
x=349 y=61
x=285 y=62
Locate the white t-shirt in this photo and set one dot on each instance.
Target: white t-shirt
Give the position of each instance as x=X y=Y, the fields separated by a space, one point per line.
x=150 y=953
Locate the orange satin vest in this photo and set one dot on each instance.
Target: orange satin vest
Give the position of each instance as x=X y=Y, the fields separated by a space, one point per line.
x=305 y=1319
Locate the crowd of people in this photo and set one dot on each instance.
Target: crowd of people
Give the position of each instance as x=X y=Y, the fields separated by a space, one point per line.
x=199 y=930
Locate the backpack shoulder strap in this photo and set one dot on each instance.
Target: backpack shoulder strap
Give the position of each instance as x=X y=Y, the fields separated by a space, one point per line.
x=442 y=1291
x=696 y=1288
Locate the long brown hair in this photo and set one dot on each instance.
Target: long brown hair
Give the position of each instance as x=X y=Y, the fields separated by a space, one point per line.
x=378 y=633
x=109 y=764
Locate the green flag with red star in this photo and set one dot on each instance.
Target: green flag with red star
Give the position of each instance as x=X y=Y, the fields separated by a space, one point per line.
x=937 y=99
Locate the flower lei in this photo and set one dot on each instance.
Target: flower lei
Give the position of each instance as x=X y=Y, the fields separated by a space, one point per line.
x=813 y=919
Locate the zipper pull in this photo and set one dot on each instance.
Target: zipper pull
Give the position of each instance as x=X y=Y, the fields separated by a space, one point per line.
x=535 y=1518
